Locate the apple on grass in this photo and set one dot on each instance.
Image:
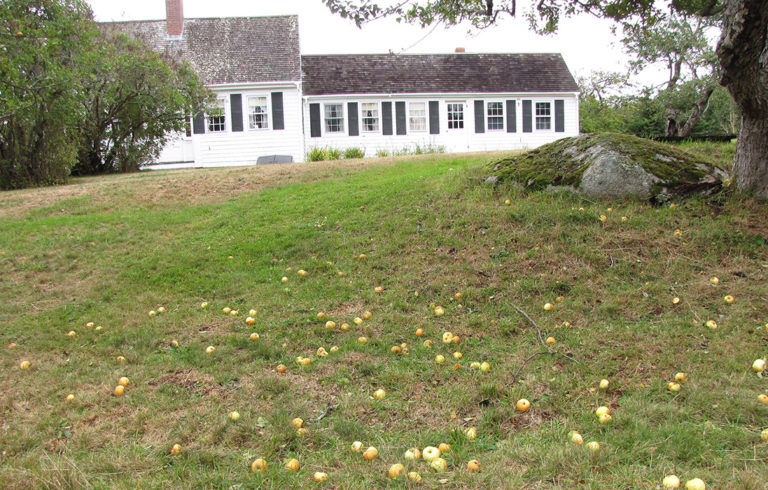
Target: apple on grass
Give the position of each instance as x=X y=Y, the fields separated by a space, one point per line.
x=370 y=453
x=292 y=464
x=523 y=405
x=430 y=453
x=474 y=465
x=671 y=481
x=175 y=449
x=320 y=477
x=396 y=470
x=259 y=465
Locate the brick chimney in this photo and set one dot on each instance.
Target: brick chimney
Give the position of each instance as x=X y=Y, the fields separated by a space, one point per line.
x=174 y=18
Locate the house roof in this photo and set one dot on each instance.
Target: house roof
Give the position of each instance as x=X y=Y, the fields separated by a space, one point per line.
x=229 y=50
x=445 y=73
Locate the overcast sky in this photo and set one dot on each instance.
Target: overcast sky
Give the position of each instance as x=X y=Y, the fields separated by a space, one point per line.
x=585 y=42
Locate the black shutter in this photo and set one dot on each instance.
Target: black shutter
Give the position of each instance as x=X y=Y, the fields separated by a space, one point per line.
x=511 y=116
x=236 y=101
x=314 y=120
x=400 y=118
x=386 y=118
x=527 y=116
x=198 y=123
x=479 y=116
x=278 y=118
x=354 y=127
x=434 y=117
x=559 y=116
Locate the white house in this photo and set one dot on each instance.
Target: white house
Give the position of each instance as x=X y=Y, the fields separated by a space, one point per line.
x=276 y=105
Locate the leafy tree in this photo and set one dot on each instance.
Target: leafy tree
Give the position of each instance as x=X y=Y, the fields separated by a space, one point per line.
x=740 y=51
x=601 y=105
x=42 y=44
x=135 y=99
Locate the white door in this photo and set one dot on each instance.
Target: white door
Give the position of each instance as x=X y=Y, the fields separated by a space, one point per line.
x=456 y=111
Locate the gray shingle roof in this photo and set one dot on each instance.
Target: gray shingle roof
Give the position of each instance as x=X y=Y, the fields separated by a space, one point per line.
x=229 y=50
x=454 y=73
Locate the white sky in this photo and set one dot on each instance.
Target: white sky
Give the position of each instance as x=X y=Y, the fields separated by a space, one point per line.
x=585 y=42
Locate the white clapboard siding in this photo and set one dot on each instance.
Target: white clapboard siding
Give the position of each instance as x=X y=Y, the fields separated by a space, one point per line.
x=233 y=148
x=450 y=140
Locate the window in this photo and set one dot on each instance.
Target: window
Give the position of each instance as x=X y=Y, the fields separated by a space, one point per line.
x=370 y=117
x=258 y=116
x=456 y=116
x=188 y=127
x=543 y=115
x=417 y=116
x=217 y=120
x=334 y=118
x=495 y=116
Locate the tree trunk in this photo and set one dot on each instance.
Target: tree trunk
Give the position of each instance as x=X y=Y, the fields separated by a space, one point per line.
x=701 y=105
x=743 y=54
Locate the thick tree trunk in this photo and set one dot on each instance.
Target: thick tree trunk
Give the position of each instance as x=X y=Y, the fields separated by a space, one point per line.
x=743 y=54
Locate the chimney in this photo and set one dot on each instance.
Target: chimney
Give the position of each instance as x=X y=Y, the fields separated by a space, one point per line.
x=460 y=50
x=174 y=18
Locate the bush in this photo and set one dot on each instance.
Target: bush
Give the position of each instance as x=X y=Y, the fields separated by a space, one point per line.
x=333 y=154
x=354 y=152
x=382 y=153
x=317 y=155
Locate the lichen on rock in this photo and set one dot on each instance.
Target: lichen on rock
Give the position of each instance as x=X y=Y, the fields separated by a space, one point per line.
x=612 y=165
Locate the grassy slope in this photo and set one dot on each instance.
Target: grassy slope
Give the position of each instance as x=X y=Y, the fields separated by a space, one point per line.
x=108 y=256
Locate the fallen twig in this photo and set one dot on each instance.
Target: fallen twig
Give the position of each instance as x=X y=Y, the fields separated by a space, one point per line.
x=328 y=409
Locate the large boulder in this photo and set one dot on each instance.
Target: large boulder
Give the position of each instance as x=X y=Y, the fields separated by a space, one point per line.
x=612 y=166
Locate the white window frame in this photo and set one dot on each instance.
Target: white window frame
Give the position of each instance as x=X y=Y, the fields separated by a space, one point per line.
x=463 y=115
x=363 y=117
x=550 y=116
x=267 y=113
x=425 y=117
x=488 y=115
x=343 y=118
x=208 y=122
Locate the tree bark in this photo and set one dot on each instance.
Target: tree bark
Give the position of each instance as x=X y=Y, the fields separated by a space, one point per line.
x=701 y=105
x=743 y=54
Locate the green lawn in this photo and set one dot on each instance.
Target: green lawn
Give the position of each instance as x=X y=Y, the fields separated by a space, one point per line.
x=109 y=250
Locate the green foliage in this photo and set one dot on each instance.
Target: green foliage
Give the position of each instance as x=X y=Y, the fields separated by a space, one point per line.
x=354 y=152
x=317 y=154
x=333 y=154
x=43 y=44
x=382 y=153
x=134 y=100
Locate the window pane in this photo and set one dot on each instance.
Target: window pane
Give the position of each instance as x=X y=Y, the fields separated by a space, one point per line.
x=495 y=116
x=334 y=118
x=370 y=112
x=258 y=117
x=543 y=115
x=417 y=116
x=455 y=116
x=217 y=122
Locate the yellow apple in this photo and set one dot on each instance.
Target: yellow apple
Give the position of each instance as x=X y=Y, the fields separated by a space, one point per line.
x=447 y=337
x=711 y=324
x=675 y=300
x=673 y=386
x=523 y=405
x=226 y=310
x=254 y=337
x=90 y=325
x=210 y=349
x=71 y=333
x=320 y=477
x=549 y=306
x=357 y=446
x=576 y=438
x=603 y=218
x=695 y=484
x=259 y=465
x=297 y=423
x=758 y=366
x=176 y=449
x=457 y=355
x=123 y=381
x=439 y=358
x=252 y=312
x=714 y=281
x=234 y=312
x=358 y=320
x=99 y=328
x=378 y=289
x=593 y=446
x=70 y=398
x=334 y=349
x=764 y=435
x=439 y=465
x=485 y=366
x=281 y=368
x=362 y=340
x=681 y=377
x=678 y=232
x=439 y=311
x=344 y=327
x=322 y=352
x=728 y=299
x=161 y=309
x=550 y=341
x=175 y=344
x=427 y=343
x=302 y=431
x=12 y=345
x=250 y=320
x=602 y=411
x=414 y=476
x=362 y=256
x=604 y=383
x=292 y=464
x=474 y=465
x=624 y=219
x=24 y=365
x=419 y=332
x=430 y=453
x=120 y=359
x=471 y=433
x=414 y=454
x=370 y=453
x=507 y=202
x=474 y=365
x=396 y=470
x=671 y=481
x=152 y=313
x=119 y=390
x=204 y=305
x=444 y=448
x=234 y=415
x=395 y=349
x=605 y=418
x=367 y=315
x=379 y=394
x=340 y=273
x=301 y=272
x=330 y=325
x=762 y=398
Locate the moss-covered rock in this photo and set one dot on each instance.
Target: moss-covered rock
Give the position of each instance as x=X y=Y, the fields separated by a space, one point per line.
x=612 y=166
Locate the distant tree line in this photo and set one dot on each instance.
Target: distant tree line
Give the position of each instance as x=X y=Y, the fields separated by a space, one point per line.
x=79 y=99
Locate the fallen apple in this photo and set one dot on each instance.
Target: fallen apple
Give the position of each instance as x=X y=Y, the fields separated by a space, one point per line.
x=379 y=394
x=758 y=366
x=695 y=484
x=284 y=279
x=367 y=315
x=439 y=465
x=12 y=345
x=485 y=366
x=474 y=465
x=471 y=433
x=624 y=219
x=764 y=435
x=507 y=202
x=297 y=423
x=575 y=438
x=226 y=310
x=358 y=320
x=413 y=454
x=320 y=477
x=430 y=453
x=370 y=453
x=671 y=481
x=673 y=386
x=254 y=337
x=447 y=337
x=123 y=381
x=301 y=272
x=250 y=320
x=439 y=311
x=175 y=449
x=210 y=349
x=281 y=368
x=457 y=355
x=152 y=313
x=322 y=352
x=604 y=383
x=292 y=464
x=414 y=476
x=357 y=446
x=161 y=309
x=70 y=398
x=334 y=349
x=362 y=340
x=681 y=377
x=439 y=358
x=395 y=349
x=602 y=411
x=728 y=299
x=378 y=289
x=550 y=341
x=234 y=313
x=344 y=327
x=302 y=431
x=605 y=418
x=444 y=448
x=259 y=465
x=427 y=343
x=603 y=218
x=175 y=344
x=675 y=300
x=714 y=281
x=120 y=359
x=474 y=365
x=252 y=312
x=396 y=470
x=234 y=415
x=549 y=306
x=71 y=333
x=593 y=446
x=762 y=398
x=119 y=390
x=419 y=332
x=204 y=305
x=523 y=405
x=330 y=324
x=711 y=324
